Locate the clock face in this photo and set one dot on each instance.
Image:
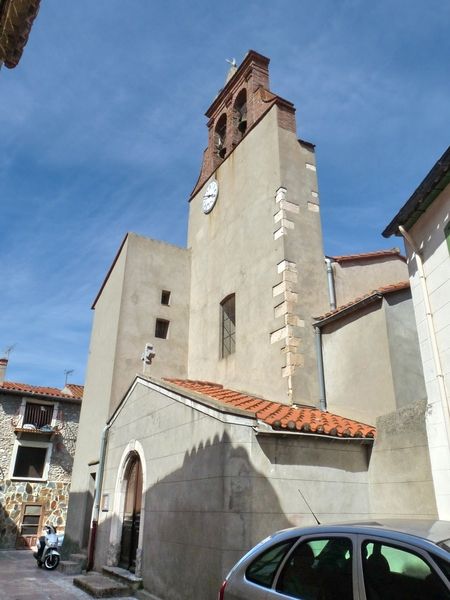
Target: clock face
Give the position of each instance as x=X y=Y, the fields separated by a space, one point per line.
x=210 y=196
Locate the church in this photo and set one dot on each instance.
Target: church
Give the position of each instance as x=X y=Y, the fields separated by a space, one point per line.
x=245 y=383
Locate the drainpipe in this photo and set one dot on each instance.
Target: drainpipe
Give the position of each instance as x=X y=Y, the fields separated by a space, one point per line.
x=331 y=287
x=97 y=497
x=320 y=370
x=430 y=327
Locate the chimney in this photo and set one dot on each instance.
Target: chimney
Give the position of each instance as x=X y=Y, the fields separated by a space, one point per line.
x=3 y=365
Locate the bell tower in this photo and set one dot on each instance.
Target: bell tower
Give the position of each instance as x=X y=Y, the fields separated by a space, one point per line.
x=257 y=269
x=238 y=107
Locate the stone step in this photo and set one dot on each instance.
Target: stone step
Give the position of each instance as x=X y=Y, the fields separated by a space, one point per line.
x=144 y=595
x=70 y=567
x=99 y=586
x=81 y=558
x=124 y=576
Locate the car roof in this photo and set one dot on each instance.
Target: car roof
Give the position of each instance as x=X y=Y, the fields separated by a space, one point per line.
x=434 y=531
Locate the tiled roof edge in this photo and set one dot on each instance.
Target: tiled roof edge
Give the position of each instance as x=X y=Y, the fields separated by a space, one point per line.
x=368 y=255
x=23 y=389
x=360 y=301
x=274 y=417
x=168 y=384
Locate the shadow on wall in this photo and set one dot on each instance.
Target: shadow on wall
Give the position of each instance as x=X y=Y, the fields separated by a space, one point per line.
x=63 y=453
x=8 y=527
x=315 y=452
x=199 y=519
x=76 y=536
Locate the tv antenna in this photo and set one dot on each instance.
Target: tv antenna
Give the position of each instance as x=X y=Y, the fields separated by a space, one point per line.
x=310 y=509
x=8 y=350
x=67 y=372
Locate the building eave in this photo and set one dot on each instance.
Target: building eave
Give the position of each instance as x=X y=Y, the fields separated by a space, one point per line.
x=30 y=394
x=430 y=188
x=16 y=21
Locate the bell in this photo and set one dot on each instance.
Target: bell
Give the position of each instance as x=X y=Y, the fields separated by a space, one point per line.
x=242 y=126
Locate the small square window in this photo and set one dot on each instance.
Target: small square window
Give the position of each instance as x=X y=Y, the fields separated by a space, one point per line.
x=161 y=328
x=30 y=462
x=165 y=297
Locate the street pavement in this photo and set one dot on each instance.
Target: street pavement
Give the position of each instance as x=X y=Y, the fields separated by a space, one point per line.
x=21 y=579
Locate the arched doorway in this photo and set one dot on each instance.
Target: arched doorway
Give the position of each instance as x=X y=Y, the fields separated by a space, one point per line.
x=131 y=513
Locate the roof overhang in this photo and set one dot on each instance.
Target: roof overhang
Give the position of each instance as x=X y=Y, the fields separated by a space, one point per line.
x=225 y=413
x=430 y=188
x=16 y=20
x=39 y=395
x=213 y=408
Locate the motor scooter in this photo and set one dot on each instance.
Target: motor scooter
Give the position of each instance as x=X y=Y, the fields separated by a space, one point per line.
x=47 y=552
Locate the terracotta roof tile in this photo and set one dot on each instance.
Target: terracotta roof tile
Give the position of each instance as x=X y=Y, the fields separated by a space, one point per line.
x=40 y=390
x=387 y=289
x=75 y=389
x=368 y=255
x=279 y=416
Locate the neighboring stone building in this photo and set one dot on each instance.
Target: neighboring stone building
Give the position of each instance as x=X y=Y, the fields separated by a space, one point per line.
x=38 y=430
x=229 y=437
x=424 y=222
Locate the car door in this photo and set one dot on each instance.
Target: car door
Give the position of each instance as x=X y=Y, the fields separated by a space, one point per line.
x=319 y=567
x=393 y=570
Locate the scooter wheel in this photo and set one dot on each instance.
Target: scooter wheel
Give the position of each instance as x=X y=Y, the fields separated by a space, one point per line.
x=51 y=562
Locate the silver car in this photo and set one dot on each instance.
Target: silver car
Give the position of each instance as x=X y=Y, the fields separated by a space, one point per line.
x=392 y=560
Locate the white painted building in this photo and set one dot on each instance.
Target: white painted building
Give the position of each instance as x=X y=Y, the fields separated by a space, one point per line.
x=424 y=222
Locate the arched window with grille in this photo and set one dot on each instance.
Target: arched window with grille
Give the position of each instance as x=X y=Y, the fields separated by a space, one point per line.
x=220 y=133
x=240 y=114
x=228 y=325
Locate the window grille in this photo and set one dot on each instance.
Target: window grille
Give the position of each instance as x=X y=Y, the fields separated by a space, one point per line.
x=228 y=326
x=38 y=414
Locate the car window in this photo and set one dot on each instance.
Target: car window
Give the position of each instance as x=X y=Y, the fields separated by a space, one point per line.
x=319 y=569
x=393 y=573
x=262 y=570
x=444 y=565
x=445 y=544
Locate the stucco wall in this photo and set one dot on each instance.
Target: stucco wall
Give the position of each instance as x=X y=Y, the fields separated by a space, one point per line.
x=404 y=351
x=151 y=267
x=97 y=394
x=358 y=374
x=371 y=359
x=355 y=278
x=400 y=474
x=124 y=321
x=267 y=249
x=213 y=488
x=428 y=234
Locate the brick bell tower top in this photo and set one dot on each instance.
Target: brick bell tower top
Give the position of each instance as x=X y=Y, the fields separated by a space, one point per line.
x=239 y=106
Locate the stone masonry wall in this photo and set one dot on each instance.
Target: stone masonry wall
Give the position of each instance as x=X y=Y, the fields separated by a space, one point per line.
x=53 y=495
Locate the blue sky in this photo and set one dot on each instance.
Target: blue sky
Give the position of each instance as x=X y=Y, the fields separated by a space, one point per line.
x=102 y=132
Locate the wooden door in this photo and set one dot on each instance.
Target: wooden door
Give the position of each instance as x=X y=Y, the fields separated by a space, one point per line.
x=131 y=515
x=30 y=526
